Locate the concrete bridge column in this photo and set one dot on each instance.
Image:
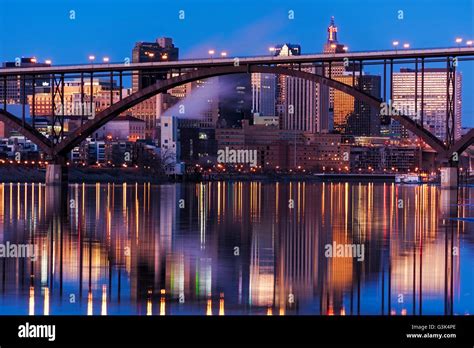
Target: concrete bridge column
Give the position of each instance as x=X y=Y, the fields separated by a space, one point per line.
x=56 y=174
x=449 y=177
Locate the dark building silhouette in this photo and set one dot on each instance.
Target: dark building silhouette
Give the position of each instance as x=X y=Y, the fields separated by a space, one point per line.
x=365 y=120
x=235 y=99
x=161 y=50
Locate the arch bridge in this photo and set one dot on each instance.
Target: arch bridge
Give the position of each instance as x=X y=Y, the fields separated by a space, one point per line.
x=166 y=75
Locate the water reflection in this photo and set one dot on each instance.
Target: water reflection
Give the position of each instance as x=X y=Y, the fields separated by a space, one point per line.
x=236 y=248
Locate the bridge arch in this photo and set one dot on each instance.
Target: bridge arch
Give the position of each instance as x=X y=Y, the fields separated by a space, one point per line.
x=463 y=143
x=27 y=130
x=88 y=128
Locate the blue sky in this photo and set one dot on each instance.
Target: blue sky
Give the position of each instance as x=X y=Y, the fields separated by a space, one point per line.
x=111 y=27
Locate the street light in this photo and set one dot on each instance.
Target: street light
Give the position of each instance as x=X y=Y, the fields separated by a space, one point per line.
x=106 y=59
x=395 y=45
x=406 y=45
x=458 y=40
x=469 y=42
x=345 y=48
x=272 y=49
x=211 y=52
x=48 y=61
x=223 y=54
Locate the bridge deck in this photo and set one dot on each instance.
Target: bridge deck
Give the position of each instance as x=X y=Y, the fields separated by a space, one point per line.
x=209 y=62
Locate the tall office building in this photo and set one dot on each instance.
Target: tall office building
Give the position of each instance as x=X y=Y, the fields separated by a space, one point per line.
x=352 y=116
x=161 y=50
x=301 y=104
x=263 y=94
x=365 y=120
x=343 y=104
x=435 y=82
x=280 y=90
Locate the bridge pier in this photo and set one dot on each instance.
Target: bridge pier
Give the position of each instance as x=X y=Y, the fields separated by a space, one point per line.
x=56 y=174
x=449 y=177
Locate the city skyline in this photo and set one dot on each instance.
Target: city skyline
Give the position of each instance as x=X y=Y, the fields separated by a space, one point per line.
x=312 y=149
x=251 y=34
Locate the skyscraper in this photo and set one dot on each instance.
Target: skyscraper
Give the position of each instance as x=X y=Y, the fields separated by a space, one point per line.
x=300 y=103
x=343 y=104
x=352 y=116
x=263 y=94
x=283 y=50
x=435 y=81
x=365 y=120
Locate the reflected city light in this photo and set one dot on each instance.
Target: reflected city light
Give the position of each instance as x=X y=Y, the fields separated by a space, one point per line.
x=221 y=305
x=119 y=242
x=163 y=302
x=209 y=307
x=149 y=303
x=103 y=310
x=46 y=301
x=89 y=303
x=31 y=310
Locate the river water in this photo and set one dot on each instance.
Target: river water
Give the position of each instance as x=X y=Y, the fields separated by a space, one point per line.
x=237 y=248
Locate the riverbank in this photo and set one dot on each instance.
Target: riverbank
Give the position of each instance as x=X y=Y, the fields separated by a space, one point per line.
x=14 y=173
x=79 y=175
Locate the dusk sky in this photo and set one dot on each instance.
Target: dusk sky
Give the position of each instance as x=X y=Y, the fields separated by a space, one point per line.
x=111 y=27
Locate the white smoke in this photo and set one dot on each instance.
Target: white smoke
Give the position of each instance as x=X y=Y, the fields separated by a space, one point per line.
x=198 y=102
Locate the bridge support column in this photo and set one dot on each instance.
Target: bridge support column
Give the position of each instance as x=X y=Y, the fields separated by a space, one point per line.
x=56 y=174
x=449 y=177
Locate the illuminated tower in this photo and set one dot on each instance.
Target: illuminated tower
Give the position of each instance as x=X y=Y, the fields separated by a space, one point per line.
x=337 y=69
x=332 y=45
